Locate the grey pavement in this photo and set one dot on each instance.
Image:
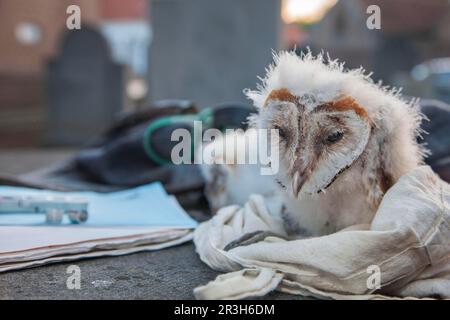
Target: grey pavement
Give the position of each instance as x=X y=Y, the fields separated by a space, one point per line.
x=171 y=273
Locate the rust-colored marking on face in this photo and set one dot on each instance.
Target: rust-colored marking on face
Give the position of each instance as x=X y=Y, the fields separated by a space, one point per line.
x=282 y=94
x=344 y=104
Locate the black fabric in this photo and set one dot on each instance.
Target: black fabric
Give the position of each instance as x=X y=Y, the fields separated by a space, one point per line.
x=118 y=157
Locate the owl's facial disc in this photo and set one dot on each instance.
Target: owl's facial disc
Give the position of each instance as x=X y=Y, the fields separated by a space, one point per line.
x=317 y=143
x=333 y=137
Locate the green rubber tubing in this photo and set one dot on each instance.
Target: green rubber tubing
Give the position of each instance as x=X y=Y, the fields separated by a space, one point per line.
x=206 y=116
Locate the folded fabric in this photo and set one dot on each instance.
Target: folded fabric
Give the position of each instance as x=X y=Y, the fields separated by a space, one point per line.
x=406 y=247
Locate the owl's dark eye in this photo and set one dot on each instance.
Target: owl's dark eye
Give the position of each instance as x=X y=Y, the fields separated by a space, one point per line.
x=334 y=137
x=281 y=132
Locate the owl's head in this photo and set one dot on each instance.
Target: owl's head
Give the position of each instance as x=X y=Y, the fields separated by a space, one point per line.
x=338 y=130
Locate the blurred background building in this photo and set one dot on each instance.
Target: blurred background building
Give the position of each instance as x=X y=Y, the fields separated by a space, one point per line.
x=60 y=87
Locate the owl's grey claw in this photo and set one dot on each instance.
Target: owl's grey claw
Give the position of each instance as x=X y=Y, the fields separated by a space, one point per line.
x=250 y=238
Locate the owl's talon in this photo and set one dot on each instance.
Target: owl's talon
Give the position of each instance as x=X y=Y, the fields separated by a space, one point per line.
x=250 y=238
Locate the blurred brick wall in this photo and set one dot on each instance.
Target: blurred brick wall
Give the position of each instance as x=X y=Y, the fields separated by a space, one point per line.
x=22 y=67
x=50 y=16
x=120 y=9
x=412 y=31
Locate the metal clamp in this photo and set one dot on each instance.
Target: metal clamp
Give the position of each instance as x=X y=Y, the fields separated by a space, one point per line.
x=54 y=208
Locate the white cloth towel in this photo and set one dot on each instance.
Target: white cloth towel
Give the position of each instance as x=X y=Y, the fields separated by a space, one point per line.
x=408 y=242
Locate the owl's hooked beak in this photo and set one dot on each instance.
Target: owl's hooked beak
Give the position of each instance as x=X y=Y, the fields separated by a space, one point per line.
x=297 y=183
x=310 y=183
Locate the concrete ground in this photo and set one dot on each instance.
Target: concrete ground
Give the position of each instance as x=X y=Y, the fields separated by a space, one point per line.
x=166 y=274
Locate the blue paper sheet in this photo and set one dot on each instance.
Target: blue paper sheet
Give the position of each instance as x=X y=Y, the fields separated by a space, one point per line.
x=147 y=205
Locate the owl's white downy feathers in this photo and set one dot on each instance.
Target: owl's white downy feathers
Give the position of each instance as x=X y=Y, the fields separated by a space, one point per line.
x=344 y=140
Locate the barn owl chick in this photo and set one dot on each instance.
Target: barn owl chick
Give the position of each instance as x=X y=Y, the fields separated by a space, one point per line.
x=344 y=140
